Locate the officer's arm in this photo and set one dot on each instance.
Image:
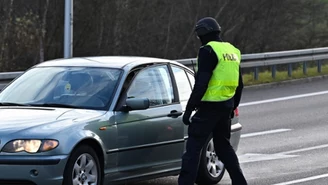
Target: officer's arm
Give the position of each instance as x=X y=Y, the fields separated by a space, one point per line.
x=207 y=62
x=239 y=90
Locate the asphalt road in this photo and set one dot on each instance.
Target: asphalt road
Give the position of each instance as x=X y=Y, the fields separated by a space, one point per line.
x=284 y=137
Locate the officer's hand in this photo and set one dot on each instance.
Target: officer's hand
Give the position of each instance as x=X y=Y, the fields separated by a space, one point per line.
x=186 y=117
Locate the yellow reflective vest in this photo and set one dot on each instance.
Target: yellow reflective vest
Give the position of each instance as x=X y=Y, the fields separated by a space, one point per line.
x=225 y=77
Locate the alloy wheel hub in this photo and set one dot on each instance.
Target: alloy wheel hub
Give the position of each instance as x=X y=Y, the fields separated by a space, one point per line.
x=214 y=165
x=83 y=177
x=85 y=171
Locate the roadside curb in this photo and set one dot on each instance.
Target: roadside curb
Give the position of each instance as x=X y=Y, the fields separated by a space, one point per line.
x=287 y=82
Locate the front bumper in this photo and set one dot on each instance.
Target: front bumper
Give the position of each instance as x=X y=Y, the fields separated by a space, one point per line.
x=38 y=170
x=235 y=135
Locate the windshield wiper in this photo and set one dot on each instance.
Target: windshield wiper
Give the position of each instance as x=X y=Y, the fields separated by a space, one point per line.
x=12 y=104
x=55 y=105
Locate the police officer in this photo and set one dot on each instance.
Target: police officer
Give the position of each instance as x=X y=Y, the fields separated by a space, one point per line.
x=216 y=94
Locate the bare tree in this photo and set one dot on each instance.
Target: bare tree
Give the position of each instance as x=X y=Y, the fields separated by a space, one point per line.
x=154 y=28
x=5 y=31
x=168 y=30
x=43 y=30
x=122 y=6
x=191 y=32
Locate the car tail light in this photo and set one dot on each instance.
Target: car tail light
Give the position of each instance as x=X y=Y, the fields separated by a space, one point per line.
x=236 y=112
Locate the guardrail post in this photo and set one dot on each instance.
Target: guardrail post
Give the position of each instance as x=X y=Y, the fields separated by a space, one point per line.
x=304 y=68
x=256 y=73
x=273 y=70
x=319 y=66
x=290 y=70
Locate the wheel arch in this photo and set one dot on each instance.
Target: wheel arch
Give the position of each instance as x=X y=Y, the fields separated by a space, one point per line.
x=96 y=146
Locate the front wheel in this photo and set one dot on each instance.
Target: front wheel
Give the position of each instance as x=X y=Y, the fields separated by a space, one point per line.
x=83 y=167
x=211 y=169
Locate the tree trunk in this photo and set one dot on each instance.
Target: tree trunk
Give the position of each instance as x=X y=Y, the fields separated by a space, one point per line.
x=192 y=30
x=121 y=8
x=43 y=30
x=168 y=31
x=5 y=35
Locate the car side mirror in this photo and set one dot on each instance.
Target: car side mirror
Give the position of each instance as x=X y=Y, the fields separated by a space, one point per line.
x=136 y=104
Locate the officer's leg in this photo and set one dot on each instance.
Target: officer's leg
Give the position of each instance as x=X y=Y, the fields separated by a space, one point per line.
x=190 y=160
x=225 y=152
x=198 y=131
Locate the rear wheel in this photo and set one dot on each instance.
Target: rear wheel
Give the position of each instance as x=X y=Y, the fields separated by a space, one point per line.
x=211 y=169
x=83 y=167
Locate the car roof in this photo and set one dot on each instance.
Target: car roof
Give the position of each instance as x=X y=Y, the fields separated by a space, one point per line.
x=105 y=61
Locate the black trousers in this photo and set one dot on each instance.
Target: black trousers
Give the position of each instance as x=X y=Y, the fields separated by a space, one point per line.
x=206 y=121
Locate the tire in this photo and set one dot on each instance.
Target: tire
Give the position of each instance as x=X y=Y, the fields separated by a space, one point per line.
x=214 y=173
x=75 y=172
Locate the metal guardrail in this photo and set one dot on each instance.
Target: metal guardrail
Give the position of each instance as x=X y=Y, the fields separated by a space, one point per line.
x=277 y=58
x=6 y=77
x=248 y=61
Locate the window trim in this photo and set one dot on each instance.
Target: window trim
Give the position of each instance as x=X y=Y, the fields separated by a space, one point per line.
x=191 y=85
x=186 y=72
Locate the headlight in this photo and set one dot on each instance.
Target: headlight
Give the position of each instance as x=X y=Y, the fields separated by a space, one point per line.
x=30 y=146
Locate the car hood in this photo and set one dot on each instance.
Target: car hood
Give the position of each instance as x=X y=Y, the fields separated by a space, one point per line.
x=20 y=119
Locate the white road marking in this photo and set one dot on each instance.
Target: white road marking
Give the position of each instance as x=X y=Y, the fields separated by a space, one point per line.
x=303 y=180
x=305 y=149
x=264 y=132
x=283 y=98
x=252 y=157
x=255 y=157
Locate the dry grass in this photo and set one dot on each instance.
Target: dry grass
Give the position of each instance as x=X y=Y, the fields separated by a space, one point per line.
x=265 y=77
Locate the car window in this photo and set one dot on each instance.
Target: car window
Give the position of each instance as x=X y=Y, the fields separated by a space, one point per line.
x=153 y=83
x=183 y=84
x=191 y=79
x=82 y=87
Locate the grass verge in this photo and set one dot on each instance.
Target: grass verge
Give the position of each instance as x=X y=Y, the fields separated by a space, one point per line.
x=265 y=77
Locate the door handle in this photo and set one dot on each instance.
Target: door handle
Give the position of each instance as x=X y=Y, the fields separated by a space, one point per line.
x=174 y=114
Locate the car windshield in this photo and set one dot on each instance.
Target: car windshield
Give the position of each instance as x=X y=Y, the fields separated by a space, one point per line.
x=75 y=87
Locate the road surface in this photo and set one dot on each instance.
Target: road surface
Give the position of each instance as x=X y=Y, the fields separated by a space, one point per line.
x=284 y=137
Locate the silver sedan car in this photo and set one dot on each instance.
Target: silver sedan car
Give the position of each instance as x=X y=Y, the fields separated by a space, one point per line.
x=99 y=120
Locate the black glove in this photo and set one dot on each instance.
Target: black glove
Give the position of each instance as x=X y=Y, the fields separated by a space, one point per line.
x=186 y=117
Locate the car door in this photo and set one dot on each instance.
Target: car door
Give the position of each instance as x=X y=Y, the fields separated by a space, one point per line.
x=184 y=80
x=151 y=140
